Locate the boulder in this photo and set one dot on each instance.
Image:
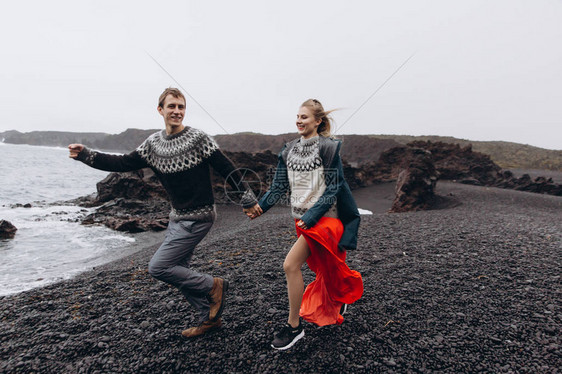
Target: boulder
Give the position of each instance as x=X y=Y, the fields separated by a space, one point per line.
x=460 y=163
x=538 y=185
x=131 y=215
x=7 y=230
x=131 y=202
x=140 y=184
x=415 y=187
x=542 y=185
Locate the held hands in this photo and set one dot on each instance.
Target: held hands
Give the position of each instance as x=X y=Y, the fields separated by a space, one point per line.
x=253 y=212
x=302 y=225
x=75 y=149
x=257 y=211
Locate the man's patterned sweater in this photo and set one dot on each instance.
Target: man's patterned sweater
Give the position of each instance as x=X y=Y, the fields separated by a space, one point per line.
x=181 y=161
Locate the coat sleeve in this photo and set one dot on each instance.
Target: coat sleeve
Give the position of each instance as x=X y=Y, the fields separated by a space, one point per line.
x=109 y=162
x=350 y=217
x=279 y=186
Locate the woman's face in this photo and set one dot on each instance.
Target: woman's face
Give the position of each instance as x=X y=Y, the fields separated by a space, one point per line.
x=307 y=126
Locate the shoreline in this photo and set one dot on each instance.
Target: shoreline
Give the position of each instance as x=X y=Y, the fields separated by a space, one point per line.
x=150 y=240
x=473 y=286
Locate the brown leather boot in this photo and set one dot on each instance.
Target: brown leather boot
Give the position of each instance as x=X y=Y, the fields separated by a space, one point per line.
x=202 y=328
x=216 y=298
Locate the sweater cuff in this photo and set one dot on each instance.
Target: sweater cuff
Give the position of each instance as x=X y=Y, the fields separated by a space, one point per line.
x=248 y=199
x=87 y=156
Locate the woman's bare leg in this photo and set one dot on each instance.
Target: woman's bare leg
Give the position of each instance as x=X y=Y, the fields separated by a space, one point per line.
x=295 y=285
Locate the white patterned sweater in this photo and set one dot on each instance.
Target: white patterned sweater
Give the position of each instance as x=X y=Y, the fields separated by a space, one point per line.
x=306 y=176
x=181 y=161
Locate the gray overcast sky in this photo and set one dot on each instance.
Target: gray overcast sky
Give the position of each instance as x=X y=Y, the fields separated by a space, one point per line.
x=481 y=70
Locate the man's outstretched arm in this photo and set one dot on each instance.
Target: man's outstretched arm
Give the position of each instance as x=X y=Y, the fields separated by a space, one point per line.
x=106 y=162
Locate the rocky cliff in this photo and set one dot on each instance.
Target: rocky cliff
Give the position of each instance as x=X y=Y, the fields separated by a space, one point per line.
x=358 y=150
x=136 y=201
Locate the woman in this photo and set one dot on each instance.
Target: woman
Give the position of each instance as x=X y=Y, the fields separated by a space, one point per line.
x=326 y=219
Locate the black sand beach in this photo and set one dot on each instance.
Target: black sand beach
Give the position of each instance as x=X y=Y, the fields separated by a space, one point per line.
x=474 y=286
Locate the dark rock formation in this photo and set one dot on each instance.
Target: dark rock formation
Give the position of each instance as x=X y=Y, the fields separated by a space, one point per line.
x=415 y=187
x=463 y=165
x=526 y=183
x=459 y=163
x=131 y=202
x=7 y=230
x=392 y=162
x=140 y=184
x=131 y=215
x=451 y=162
x=136 y=201
x=19 y=205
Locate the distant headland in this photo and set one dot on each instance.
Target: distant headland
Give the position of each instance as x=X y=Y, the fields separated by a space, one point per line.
x=357 y=151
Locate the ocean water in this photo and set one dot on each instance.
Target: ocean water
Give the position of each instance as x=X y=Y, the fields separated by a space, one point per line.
x=50 y=244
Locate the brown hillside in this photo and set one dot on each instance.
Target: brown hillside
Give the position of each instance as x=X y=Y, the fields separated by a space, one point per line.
x=356 y=149
x=362 y=149
x=506 y=154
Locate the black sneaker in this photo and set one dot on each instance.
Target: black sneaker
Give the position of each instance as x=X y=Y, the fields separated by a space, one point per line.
x=343 y=309
x=287 y=337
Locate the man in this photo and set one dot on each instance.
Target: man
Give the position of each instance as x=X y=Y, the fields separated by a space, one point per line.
x=180 y=157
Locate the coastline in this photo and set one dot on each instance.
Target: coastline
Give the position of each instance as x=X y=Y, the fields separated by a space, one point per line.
x=470 y=287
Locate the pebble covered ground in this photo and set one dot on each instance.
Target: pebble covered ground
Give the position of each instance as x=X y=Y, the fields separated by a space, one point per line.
x=471 y=287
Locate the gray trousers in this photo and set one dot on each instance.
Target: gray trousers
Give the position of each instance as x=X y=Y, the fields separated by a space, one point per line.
x=170 y=263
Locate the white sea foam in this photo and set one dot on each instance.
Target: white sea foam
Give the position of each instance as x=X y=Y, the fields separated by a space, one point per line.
x=50 y=243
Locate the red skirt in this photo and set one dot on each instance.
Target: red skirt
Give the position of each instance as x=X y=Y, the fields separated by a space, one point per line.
x=335 y=282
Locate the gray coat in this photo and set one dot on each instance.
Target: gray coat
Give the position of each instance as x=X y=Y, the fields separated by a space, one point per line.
x=336 y=189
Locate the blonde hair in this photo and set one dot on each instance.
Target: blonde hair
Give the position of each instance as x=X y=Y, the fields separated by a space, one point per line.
x=325 y=127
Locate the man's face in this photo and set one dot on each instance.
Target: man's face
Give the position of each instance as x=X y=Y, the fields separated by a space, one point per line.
x=173 y=111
